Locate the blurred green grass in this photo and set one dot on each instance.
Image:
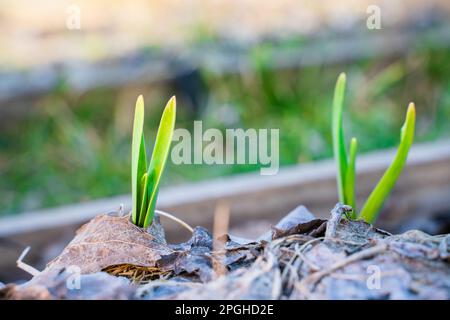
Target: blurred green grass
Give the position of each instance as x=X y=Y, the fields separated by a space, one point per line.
x=78 y=148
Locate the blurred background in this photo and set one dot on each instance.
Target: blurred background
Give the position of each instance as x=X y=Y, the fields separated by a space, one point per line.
x=70 y=72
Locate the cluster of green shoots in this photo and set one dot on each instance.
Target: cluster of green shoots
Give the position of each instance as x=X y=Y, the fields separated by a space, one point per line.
x=346 y=162
x=146 y=179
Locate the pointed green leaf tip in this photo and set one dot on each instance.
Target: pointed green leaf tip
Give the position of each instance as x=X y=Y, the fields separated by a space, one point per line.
x=376 y=199
x=340 y=153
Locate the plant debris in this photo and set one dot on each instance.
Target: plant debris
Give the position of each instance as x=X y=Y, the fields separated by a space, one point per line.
x=300 y=258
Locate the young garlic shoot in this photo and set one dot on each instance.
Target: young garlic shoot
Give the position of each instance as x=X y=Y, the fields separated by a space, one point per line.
x=376 y=199
x=346 y=164
x=145 y=180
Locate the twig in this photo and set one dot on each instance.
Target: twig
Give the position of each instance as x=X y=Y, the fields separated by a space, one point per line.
x=221 y=224
x=171 y=217
x=26 y=267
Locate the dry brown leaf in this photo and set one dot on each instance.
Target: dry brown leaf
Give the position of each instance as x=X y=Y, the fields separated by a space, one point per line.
x=110 y=240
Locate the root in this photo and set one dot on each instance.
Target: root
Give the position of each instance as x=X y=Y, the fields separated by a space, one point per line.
x=295 y=246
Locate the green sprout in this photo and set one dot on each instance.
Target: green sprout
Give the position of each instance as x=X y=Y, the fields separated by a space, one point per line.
x=145 y=180
x=346 y=163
